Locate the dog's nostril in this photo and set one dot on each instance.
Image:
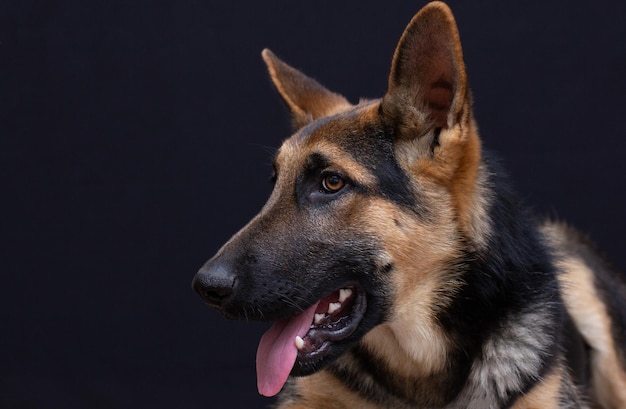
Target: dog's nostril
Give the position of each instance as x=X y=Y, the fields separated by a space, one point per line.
x=214 y=283
x=216 y=296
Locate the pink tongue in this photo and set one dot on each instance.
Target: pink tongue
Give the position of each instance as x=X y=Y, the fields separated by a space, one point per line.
x=277 y=351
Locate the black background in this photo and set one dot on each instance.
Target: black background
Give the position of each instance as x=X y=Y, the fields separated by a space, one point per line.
x=137 y=136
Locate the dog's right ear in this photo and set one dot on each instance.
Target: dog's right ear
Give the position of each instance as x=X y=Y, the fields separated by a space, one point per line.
x=307 y=99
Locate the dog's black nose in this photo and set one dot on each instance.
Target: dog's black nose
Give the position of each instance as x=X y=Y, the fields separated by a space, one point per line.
x=214 y=282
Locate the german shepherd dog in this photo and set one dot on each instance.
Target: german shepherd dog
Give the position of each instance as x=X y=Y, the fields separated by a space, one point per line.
x=400 y=270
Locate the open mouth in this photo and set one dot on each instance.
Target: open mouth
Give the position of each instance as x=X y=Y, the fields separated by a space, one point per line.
x=298 y=344
x=336 y=317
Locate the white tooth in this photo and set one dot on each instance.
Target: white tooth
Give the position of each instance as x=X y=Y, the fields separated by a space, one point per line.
x=299 y=342
x=319 y=318
x=333 y=306
x=344 y=293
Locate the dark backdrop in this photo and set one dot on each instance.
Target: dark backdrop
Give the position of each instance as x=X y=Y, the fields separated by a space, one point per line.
x=137 y=136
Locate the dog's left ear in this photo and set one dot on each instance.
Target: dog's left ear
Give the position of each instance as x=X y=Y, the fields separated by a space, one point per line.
x=306 y=98
x=428 y=106
x=427 y=84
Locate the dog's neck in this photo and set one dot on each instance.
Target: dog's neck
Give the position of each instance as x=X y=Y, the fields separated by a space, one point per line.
x=384 y=370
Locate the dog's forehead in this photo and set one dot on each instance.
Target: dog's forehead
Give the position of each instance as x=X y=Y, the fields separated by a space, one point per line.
x=341 y=137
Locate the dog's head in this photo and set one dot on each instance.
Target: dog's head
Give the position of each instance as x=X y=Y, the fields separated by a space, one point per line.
x=369 y=205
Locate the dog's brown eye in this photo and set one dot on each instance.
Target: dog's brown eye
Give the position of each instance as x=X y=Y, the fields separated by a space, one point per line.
x=333 y=183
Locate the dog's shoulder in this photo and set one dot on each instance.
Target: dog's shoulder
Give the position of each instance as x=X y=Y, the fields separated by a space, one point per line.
x=593 y=292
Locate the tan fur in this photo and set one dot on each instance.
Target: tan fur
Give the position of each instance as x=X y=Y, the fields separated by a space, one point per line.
x=544 y=395
x=419 y=288
x=324 y=391
x=455 y=165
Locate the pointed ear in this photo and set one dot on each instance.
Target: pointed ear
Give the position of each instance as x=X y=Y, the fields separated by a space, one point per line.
x=305 y=97
x=427 y=83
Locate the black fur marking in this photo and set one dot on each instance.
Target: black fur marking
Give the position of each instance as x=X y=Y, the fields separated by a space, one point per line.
x=515 y=273
x=515 y=269
x=374 y=149
x=355 y=373
x=359 y=366
x=435 y=143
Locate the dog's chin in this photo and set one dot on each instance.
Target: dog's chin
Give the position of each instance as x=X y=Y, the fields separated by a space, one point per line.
x=337 y=325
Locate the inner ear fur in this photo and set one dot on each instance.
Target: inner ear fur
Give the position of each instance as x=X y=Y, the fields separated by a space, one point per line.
x=427 y=83
x=306 y=98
